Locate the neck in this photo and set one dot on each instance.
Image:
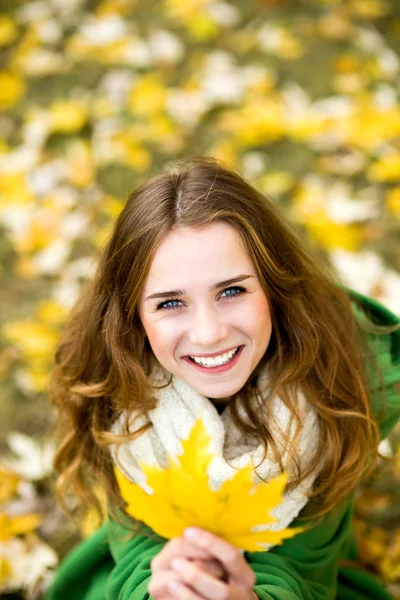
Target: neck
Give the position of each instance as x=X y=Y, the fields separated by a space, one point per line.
x=220 y=403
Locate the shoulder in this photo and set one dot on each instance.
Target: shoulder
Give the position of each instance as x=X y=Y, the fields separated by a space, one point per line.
x=382 y=333
x=383 y=340
x=373 y=310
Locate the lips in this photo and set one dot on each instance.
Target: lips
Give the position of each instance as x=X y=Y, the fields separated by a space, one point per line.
x=211 y=355
x=217 y=364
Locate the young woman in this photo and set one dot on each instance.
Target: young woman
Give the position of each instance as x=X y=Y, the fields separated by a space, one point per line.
x=203 y=282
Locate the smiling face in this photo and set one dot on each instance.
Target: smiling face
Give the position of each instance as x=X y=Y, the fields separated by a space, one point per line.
x=204 y=311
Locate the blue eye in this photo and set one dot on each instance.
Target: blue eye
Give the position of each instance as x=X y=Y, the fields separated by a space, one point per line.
x=168 y=305
x=231 y=292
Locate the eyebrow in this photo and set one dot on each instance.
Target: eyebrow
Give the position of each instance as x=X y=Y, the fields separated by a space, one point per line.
x=214 y=287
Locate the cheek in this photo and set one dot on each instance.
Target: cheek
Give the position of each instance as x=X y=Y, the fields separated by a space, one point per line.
x=259 y=321
x=259 y=313
x=150 y=328
x=161 y=335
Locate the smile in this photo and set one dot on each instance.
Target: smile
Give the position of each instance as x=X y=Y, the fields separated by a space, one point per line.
x=215 y=361
x=217 y=364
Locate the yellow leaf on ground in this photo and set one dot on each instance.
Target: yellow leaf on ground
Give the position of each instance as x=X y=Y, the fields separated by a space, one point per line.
x=51 y=312
x=68 y=116
x=8 y=30
x=8 y=485
x=387 y=168
x=148 y=96
x=35 y=340
x=12 y=88
x=5 y=571
x=393 y=200
x=18 y=525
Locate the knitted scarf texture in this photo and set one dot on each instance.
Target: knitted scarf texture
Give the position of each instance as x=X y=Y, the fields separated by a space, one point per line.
x=179 y=406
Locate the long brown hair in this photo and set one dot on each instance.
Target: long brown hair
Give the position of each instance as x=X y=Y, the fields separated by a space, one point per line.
x=102 y=361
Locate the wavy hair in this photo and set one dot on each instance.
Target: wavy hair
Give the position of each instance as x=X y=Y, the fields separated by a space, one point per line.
x=102 y=361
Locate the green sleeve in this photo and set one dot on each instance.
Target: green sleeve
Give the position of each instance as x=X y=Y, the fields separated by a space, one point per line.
x=383 y=366
x=107 y=566
x=303 y=568
x=385 y=381
x=130 y=576
x=306 y=566
x=385 y=387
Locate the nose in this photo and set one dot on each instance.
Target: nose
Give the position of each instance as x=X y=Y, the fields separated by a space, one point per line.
x=207 y=328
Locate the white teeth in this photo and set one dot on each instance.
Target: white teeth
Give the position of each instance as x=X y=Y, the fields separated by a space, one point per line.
x=215 y=361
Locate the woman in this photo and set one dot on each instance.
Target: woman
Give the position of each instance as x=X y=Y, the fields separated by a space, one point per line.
x=203 y=283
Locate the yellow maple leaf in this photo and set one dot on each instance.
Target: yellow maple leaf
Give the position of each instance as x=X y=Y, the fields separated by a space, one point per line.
x=182 y=497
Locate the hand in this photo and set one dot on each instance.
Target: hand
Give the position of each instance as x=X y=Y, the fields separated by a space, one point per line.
x=195 y=584
x=163 y=574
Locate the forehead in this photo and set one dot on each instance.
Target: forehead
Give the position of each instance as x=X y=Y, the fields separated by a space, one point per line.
x=191 y=255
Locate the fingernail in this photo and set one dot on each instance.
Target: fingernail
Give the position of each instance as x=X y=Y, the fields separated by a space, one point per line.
x=191 y=533
x=174 y=586
x=178 y=564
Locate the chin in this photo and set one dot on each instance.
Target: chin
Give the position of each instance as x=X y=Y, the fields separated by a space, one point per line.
x=220 y=394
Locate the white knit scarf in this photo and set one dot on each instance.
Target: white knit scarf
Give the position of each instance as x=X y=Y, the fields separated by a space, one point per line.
x=179 y=406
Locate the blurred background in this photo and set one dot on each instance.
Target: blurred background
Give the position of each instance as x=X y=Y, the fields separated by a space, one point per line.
x=95 y=96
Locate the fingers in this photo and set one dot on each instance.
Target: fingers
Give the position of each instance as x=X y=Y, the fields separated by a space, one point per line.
x=160 y=586
x=174 y=548
x=212 y=567
x=198 y=581
x=230 y=557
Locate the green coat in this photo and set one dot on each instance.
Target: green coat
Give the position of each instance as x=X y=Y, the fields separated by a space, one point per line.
x=309 y=566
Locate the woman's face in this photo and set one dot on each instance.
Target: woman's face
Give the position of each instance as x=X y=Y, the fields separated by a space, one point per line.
x=204 y=311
